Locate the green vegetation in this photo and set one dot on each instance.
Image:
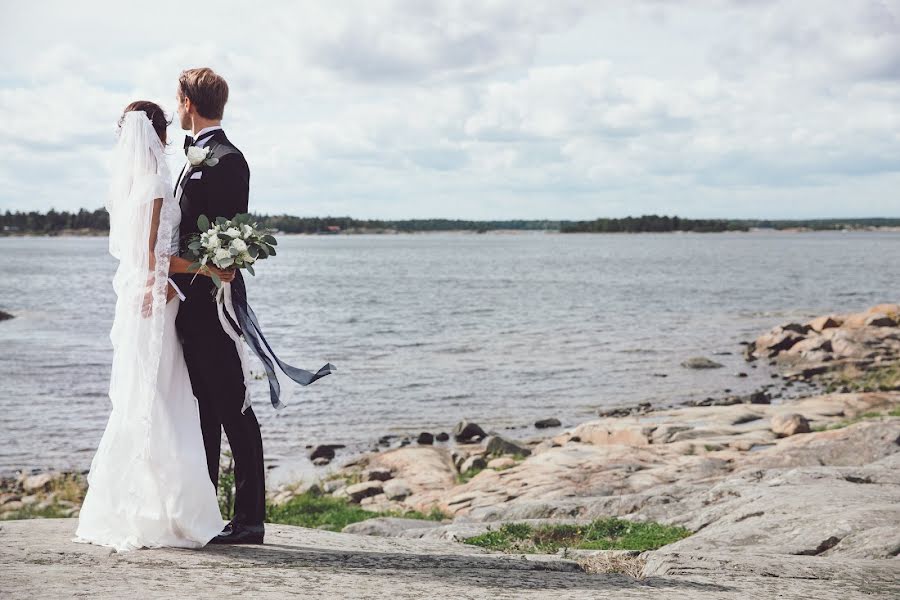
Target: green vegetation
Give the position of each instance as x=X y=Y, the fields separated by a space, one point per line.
x=651 y=223
x=60 y=498
x=884 y=378
x=602 y=534
x=315 y=510
x=97 y=221
x=226 y=487
x=863 y=417
x=468 y=475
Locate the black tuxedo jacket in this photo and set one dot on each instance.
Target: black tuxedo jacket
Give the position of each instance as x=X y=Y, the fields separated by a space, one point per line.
x=218 y=191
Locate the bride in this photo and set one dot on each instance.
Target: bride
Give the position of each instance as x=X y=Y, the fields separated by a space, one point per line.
x=148 y=484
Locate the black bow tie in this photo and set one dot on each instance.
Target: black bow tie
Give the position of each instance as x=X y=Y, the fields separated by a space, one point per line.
x=188 y=142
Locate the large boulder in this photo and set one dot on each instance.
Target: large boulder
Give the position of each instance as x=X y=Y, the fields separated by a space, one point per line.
x=358 y=491
x=773 y=343
x=497 y=444
x=397 y=490
x=377 y=474
x=880 y=320
x=466 y=432
x=820 y=324
x=788 y=424
x=388 y=526
x=39 y=482
x=473 y=463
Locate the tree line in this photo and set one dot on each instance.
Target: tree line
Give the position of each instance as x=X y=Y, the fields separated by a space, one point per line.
x=53 y=222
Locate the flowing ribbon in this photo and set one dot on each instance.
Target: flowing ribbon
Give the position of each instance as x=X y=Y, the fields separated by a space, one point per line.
x=237 y=318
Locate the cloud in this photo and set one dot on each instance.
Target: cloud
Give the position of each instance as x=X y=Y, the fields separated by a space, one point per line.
x=490 y=109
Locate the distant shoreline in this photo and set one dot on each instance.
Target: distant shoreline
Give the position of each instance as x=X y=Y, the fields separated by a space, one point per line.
x=69 y=233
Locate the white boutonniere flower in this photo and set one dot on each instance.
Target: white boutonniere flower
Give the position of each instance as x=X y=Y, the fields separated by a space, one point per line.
x=200 y=156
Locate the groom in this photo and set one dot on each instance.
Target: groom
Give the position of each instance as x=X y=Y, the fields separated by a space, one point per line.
x=217 y=379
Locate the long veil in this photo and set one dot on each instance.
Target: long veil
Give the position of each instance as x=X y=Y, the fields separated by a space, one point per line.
x=140 y=178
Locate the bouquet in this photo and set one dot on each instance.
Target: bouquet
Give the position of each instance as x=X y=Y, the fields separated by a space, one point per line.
x=234 y=244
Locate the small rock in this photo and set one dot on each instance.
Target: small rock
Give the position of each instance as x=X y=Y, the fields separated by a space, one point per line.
x=34 y=483
x=785 y=425
x=700 y=362
x=377 y=474
x=396 y=489
x=425 y=439
x=472 y=463
x=442 y=436
x=500 y=445
x=4 y=316
x=29 y=500
x=362 y=490
x=333 y=485
x=547 y=423
x=11 y=506
x=324 y=451
x=4 y=498
x=504 y=462
x=741 y=374
x=467 y=432
x=321 y=461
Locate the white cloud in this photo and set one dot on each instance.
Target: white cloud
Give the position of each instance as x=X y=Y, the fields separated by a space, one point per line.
x=490 y=109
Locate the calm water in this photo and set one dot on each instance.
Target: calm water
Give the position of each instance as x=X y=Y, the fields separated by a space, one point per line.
x=426 y=329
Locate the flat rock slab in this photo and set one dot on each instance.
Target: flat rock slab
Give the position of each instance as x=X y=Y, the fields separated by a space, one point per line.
x=38 y=560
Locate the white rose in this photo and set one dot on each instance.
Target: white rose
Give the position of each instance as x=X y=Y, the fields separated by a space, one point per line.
x=246 y=230
x=196 y=155
x=238 y=246
x=247 y=259
x=213 y=243
x=222 y=258
x=233 y=232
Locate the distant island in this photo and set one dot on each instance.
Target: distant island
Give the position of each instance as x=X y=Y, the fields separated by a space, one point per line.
x=96 y=222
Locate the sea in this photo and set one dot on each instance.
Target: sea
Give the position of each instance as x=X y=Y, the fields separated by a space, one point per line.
x=501 y=328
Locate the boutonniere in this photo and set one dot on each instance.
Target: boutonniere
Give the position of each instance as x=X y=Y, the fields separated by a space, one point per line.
x=200 y=156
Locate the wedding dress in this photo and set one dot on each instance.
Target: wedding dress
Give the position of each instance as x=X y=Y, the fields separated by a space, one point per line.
x=148 y=484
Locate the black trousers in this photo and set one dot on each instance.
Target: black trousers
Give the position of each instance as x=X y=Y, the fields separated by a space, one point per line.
x=218 y=384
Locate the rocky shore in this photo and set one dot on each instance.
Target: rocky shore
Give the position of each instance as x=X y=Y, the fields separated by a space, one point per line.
x=797 y=498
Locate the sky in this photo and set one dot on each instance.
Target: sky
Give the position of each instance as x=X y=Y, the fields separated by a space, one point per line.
x=483 y=109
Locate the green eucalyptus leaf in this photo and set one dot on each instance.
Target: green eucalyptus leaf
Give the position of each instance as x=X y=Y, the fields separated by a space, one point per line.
x=203 y=223
x=215 y=279
x=270 y=240
x=193 y=267
x=250 y=269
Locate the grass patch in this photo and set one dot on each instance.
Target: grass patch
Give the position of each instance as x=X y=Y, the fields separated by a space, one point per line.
x=33 y=512
x=319 y=511
x=602 y=534
x=468 y=475
x=863 y=417
x=883 y=378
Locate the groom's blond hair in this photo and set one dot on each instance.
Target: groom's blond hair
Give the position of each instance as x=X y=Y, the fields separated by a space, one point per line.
x=207 y=90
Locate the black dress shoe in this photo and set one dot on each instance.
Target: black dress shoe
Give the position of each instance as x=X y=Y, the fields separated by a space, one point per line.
x=236 y=533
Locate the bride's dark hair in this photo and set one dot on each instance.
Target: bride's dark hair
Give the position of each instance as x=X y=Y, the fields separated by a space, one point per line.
x=156 y=115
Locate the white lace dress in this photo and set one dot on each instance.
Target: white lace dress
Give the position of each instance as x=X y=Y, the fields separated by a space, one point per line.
x=148 y=484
